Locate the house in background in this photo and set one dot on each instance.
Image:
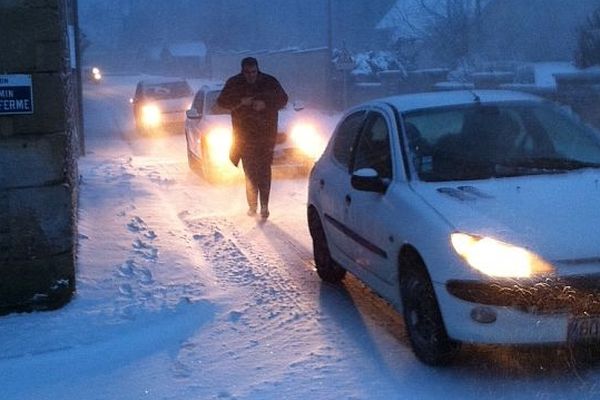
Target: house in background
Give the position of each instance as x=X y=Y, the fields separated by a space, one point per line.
x=185 y=59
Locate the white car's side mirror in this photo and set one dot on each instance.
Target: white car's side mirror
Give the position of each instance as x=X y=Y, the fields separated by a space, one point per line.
x=368 y=180
x=192 y=113
x=298 y=105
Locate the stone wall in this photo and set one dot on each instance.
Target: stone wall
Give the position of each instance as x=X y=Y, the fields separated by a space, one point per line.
x=38 y=184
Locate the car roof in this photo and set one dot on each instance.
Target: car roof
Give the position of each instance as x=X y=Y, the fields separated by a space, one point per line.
x=418 y=101
x=212 y=86
x=158 y=81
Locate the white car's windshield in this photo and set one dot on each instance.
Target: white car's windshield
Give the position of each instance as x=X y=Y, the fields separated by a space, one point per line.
x=484 y=141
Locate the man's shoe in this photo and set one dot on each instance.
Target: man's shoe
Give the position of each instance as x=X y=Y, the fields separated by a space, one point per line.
x=264 y=213
x=251 y=212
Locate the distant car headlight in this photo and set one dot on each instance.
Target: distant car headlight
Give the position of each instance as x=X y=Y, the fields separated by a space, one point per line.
x=306 y=137
x=151 y=115
x=498 y=259
x=97 y=76
x=218 y=143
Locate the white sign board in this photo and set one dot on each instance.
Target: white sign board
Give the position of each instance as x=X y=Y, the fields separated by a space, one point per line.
x=16 y=94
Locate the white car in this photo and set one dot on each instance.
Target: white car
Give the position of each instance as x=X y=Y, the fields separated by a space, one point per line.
x=160 y=103
x=475 y=214
x=209 y=137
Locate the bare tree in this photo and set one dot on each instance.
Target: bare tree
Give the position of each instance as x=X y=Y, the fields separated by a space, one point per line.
x=447 y=28
x=455 y=28
x=588 y=42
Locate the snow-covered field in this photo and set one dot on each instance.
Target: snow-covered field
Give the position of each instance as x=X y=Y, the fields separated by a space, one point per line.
x=180 y=295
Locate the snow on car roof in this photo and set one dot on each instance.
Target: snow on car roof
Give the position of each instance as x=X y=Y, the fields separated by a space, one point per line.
x=158 y=81
x=213 y=86
x=417 y=101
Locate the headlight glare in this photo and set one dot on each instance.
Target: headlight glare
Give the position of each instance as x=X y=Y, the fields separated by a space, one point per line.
x=498 y=259
x=219 y=141
x=151 y=115
x=306 y=137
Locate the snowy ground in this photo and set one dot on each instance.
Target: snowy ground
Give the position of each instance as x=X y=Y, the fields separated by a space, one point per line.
x=180 y=295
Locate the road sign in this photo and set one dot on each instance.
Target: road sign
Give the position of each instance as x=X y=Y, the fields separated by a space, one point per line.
x=16 y=94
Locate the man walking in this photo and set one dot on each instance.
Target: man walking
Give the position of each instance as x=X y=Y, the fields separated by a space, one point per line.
x=254 y=99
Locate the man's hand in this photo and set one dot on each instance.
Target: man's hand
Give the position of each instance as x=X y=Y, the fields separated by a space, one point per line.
x=258 y=105
x=246 y=101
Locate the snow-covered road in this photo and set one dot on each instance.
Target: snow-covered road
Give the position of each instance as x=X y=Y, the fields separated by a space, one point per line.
x=180 y=295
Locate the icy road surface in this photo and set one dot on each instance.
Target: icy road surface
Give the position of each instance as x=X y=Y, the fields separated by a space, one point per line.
x=180 y=295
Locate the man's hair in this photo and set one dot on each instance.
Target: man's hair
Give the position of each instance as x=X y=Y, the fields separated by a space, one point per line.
x=249 y=62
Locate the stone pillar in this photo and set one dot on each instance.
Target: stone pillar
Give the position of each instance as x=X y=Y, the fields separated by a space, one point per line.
x=38 y=184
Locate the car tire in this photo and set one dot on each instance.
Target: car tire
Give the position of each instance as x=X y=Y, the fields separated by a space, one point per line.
x=422 y=316
x=209 y=172
x=193 y=162
x=327 y=269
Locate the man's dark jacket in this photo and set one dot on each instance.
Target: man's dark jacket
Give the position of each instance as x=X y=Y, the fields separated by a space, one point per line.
x=253 y=129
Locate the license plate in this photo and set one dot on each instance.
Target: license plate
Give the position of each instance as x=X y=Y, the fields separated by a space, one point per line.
x=584 y=329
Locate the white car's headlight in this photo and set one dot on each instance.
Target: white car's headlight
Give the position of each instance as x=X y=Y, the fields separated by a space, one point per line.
x=498 y=259
x=218 y=143
x=306 y=137
x=151 y=115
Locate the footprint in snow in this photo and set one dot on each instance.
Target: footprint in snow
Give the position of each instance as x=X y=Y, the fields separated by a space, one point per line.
x=137 y=224
x=235 y=316
x=127 y=269
x=146 y=276
x=126 y=290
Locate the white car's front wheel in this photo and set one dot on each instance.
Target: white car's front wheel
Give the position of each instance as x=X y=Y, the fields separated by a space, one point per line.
x=193 y=162
x=327 y=269
x=422 y=315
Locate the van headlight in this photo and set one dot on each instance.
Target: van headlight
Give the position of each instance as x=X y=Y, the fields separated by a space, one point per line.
x=498 y=259
x=218 y=144
x=151 y=115
x=306 y=138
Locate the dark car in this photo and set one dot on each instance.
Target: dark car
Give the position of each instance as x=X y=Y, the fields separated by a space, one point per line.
x=160 y=104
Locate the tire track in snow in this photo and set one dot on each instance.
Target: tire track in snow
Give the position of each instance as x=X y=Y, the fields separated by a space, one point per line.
x=246 y=267
x=277 y=314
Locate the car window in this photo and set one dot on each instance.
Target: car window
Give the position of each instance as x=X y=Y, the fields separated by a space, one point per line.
x=481 y=142
x=168 y=90
x=211 y=103
x=559 y=127
x=373 y=148
x=138 y=90
x=198 y=103
x=345 y=137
